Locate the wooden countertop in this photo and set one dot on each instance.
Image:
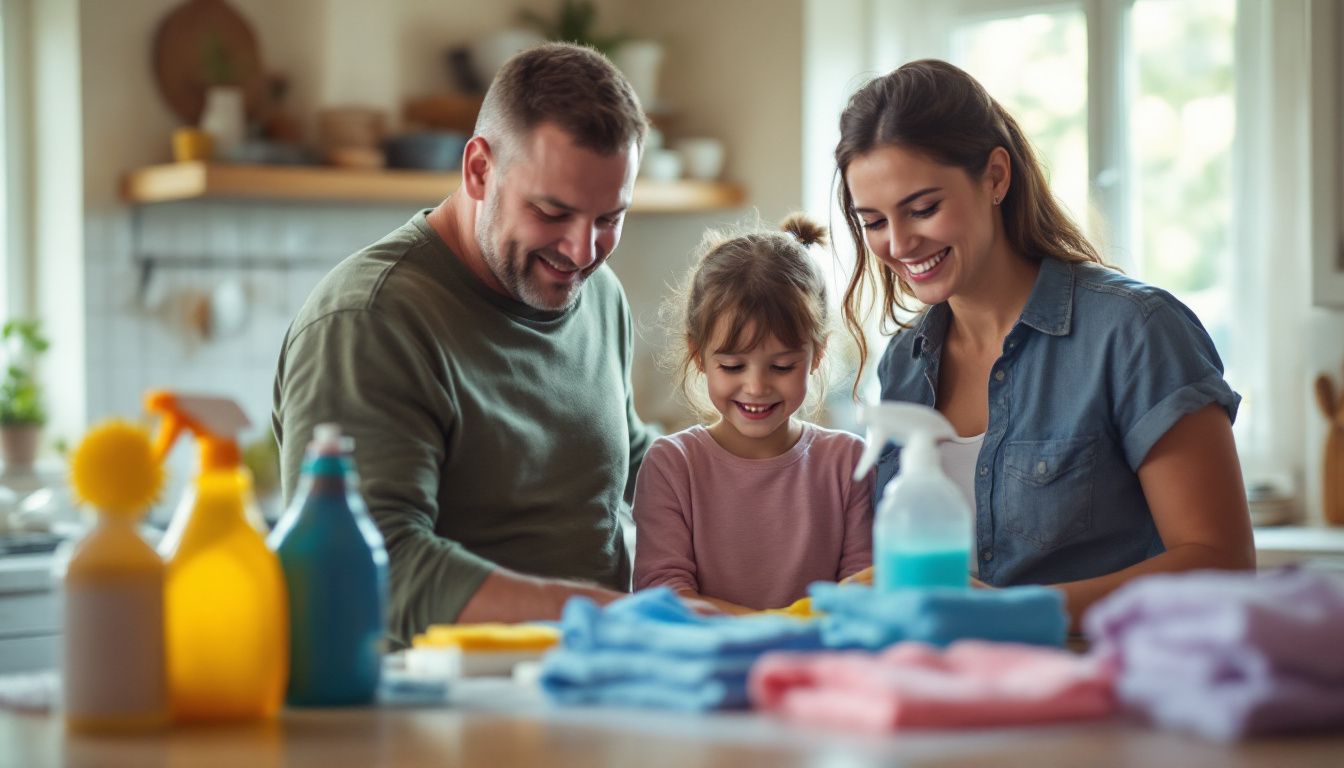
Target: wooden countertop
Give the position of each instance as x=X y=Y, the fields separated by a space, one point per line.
x=491 y=723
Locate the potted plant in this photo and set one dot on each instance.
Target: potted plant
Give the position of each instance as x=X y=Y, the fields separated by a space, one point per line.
x=22 y=412
x=575 y=23
x=639 y=60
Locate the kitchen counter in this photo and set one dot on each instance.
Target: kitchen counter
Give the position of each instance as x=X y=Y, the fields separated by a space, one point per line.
x=1314 y=545
x=29 y=619
x=494 y=723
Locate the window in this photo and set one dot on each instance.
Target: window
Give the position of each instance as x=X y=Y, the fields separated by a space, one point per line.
x=12 y=169
x=5 y=174
x=1036 y=66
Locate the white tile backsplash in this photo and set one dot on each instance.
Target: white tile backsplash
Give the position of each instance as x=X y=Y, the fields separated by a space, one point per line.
x=132 y=348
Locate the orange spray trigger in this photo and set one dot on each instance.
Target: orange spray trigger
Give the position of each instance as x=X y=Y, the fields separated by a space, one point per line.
x=214 y=421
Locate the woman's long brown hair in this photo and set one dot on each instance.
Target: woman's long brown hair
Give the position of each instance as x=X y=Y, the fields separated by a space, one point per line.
x=938 y=110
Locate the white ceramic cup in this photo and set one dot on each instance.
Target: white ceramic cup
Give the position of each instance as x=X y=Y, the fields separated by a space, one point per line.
x=703 y=157
x=661 y=165
x=640 y=61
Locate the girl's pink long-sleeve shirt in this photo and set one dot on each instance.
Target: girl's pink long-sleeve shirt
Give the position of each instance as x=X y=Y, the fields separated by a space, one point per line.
x=754 y=532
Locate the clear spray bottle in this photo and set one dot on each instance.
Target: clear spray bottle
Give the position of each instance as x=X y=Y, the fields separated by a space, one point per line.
x=922 y=528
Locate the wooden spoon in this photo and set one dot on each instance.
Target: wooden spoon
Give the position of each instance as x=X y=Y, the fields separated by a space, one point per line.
x=1325 y=397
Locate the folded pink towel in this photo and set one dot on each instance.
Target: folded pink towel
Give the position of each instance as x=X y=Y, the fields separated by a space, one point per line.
x=913 y=685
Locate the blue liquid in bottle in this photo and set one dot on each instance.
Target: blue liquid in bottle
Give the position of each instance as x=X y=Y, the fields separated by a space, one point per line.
x=932 y=568
x=335 y=568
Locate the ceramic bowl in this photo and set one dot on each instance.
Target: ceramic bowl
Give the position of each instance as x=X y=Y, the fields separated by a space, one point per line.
x=427 y=150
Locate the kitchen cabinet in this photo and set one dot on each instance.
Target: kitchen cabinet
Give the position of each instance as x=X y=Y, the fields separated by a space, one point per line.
x=29 y=617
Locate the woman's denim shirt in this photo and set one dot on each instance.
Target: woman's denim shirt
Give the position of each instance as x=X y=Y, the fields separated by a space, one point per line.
x=1095 y=371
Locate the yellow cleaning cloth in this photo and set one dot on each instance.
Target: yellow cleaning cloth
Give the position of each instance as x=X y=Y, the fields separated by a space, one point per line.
x=801 y=609
x=488 y=637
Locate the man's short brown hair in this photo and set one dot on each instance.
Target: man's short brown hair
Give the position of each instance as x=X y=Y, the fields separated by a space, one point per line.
x=572 y=86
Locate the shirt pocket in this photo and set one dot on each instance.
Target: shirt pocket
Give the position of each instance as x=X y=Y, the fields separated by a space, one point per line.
x=1048 y=490
x=888 y=463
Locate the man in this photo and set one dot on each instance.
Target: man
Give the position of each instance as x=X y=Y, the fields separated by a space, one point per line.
x=480 y=357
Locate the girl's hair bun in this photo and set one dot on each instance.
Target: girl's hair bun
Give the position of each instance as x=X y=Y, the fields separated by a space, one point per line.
x=804 y=229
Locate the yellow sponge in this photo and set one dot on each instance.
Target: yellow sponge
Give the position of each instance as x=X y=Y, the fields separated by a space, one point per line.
x=488 y=637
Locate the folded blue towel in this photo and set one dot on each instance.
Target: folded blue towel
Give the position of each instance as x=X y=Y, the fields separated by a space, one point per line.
x=657 y=620
x=650 y=650
x=646 y=679
x=858 y=616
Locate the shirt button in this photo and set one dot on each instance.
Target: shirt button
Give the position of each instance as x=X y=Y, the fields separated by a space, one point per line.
x=998 y=375
x=1012 y=344
x=987 y=555
x=984 y=470
x=1040 y=468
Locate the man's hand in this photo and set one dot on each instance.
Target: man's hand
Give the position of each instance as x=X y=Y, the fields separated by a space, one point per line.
x=509 y=597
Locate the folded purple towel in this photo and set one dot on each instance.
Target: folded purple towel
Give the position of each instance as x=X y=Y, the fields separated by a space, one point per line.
x=1227 y=655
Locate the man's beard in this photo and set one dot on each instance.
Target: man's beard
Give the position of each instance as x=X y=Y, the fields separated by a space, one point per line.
x=513 y=271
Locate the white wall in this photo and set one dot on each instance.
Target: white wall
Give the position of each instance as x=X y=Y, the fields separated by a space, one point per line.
x=732 y=71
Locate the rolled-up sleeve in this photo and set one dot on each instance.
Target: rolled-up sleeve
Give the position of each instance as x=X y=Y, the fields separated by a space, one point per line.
x=1172 y=370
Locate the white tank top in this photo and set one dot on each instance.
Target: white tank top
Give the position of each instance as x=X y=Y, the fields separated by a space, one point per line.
x=959 y=456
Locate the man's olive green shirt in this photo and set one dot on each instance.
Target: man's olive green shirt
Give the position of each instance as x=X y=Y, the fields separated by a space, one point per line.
x=487 y=433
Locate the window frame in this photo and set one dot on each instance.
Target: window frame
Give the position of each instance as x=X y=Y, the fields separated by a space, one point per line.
x=15 y=96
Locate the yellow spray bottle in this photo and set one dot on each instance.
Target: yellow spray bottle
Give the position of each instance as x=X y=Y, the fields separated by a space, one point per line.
x=227 y=617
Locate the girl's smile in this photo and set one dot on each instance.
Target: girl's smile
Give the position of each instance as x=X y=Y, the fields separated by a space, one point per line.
x=756 y=393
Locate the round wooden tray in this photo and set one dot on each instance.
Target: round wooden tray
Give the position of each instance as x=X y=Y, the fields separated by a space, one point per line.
x=201 y=43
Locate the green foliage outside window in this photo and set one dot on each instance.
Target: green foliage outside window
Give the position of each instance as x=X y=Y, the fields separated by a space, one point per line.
x=20 y=395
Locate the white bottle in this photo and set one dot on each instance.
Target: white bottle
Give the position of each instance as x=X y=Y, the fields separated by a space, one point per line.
x=922 y=529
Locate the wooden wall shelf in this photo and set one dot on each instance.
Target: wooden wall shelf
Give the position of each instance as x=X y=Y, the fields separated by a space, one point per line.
x=200 y=181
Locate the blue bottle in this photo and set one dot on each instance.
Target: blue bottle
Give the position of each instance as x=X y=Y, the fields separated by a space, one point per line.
x=336 y=570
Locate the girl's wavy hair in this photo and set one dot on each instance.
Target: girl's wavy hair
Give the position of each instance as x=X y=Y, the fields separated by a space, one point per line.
x=747 y=285
x=939 y=111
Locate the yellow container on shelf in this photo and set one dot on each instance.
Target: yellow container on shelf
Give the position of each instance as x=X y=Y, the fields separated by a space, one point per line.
x=227 y=616
x=192 y=144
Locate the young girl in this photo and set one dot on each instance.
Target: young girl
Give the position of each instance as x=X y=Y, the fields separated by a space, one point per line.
x=748 y=511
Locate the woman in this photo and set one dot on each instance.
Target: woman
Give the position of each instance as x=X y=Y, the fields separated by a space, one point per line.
x=1096 y=427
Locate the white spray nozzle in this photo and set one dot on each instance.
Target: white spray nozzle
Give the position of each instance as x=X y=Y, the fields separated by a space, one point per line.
x=328 y=440
x=917 y=426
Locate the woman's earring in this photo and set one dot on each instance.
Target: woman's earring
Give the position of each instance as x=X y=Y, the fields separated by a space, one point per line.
x=996 y=201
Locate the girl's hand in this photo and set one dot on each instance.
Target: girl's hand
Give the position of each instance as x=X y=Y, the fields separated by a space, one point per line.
x=978 y=584
x=710 y=606
x=862 y=577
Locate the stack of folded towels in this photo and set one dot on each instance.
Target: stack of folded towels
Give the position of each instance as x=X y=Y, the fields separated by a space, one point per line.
x=651 y=650
x=1227 y=655
x=953 y=658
